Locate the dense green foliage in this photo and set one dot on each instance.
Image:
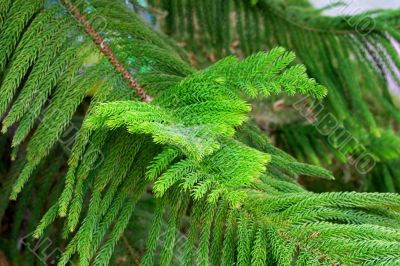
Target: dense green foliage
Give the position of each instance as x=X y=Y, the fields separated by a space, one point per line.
x=353 y=56
x=92 y=165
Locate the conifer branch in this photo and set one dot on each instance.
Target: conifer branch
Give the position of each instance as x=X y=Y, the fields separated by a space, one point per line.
x=193 y=154
x=106 y=50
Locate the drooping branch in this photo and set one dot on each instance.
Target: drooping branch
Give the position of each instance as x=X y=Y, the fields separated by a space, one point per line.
x=106 y=50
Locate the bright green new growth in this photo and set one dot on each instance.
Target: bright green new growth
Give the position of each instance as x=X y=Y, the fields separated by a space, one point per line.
x=354 y=56
x=193 y=148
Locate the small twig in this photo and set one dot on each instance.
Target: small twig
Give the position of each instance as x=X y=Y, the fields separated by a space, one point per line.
x=105 y=49
x=132 y=253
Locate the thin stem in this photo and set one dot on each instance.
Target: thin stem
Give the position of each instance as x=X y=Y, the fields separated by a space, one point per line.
x=105 y=49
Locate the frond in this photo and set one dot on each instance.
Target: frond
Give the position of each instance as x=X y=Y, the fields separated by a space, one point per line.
x=354 y=56
x=192 y=150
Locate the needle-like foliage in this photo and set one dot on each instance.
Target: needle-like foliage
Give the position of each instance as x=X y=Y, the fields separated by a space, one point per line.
x=192 y=150
x=353 y=55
